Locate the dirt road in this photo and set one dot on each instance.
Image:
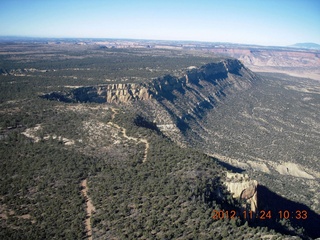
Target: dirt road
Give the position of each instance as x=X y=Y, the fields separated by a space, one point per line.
x=89 y=208
x=124 y=132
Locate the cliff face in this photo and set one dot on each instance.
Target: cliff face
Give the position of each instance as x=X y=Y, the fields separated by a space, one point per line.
x=216 y=75
x=191 y=95
x=244 y=189
x=126 y=92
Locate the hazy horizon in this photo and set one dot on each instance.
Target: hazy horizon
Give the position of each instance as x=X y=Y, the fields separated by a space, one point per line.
x=268 y=23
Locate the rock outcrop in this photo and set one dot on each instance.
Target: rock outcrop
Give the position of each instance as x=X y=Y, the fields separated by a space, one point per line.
x=126 y=92
x=21 y=71
x=243 y=188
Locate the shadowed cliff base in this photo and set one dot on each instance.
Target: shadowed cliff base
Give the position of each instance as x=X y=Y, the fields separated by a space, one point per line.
x=287 y=217
x=229 y=167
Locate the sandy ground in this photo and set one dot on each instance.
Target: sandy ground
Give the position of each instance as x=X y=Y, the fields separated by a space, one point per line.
x=32 y=133
x=288 y=168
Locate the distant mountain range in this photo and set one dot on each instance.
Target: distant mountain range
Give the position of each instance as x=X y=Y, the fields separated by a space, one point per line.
x=306 y=45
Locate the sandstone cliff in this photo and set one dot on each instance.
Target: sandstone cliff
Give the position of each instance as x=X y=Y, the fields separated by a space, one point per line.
x=243 y=188
x=126 y=92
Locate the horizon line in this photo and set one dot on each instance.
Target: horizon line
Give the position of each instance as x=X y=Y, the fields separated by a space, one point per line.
x=155 y=40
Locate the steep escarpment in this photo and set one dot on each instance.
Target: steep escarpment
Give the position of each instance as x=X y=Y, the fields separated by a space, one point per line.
x=216 y=75
x=178 y=101
x=168 y=87
x=171 y=100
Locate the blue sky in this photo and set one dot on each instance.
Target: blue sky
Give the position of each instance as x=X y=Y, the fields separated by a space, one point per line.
x=265 y=22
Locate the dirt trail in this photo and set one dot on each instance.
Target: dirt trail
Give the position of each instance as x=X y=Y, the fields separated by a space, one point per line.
x=114 y=112
x=124 y=132
x=89 y=208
